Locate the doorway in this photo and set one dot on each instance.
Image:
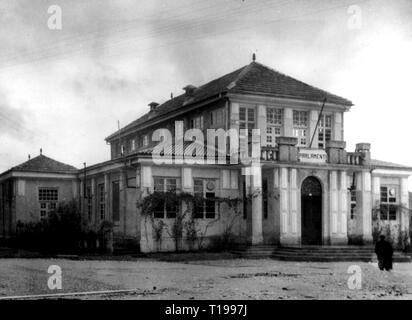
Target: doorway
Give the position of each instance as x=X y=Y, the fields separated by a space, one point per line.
x=311 y=206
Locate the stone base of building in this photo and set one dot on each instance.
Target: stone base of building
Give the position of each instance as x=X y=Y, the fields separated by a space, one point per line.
x=338 y=241
x=289 y=240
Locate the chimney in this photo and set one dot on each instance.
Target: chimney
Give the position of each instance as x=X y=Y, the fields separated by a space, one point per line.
x=189 y=90
x=153 y=106
x=365 y=150
x=29 y=157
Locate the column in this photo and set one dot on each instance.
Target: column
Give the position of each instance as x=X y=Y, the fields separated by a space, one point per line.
x=123 y=199
x=364 y=205
x=146 y=234
x=404 y=202
x=75 y=188
x=262 y=123
x=293 y=220
x=337 y=134
x=313 y=119
x=343 y=205
x=284 y=202
x=276 y=204
x=93 y=195
x=108 y=212
x=338 y=207
x=288 y=122
x=333 y=203
x=256 y=191
x=376 y=191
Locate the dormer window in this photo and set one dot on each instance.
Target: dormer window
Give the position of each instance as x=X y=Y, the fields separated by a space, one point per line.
x=153 y=106
x=189 y=90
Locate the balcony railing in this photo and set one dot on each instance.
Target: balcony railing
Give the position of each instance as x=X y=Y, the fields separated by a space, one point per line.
x=269 y=154
x=354 y=158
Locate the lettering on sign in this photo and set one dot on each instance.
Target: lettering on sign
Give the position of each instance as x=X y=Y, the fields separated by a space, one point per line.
x=313 y=155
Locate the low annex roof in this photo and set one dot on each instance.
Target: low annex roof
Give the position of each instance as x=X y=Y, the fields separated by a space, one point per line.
x=41 y=163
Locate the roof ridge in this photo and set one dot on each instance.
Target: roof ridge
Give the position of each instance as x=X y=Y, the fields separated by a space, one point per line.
x=326 y=93
x=242 y=73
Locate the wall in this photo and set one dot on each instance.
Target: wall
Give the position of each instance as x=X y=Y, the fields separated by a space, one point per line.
x=27 y=196
x=227 y=185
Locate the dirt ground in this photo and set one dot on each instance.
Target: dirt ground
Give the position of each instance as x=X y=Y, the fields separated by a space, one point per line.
x=206 y=279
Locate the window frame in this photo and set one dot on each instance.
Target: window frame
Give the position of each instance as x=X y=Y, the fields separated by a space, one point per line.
x=385 y=202
x=325 y=130
x=101 y=201
x=273 y=128
x=89 y=203
x=217 y=117
x=206 y=204
x=197 y=122
x=246 y=123
x=165 y=213
x=300 y=127
x=352 y=204
x=49 y=203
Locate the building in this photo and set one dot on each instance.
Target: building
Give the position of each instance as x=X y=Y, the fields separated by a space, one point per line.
x=306 y=188
x=33 y=189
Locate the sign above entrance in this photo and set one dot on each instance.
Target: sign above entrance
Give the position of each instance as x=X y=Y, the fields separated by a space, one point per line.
x=313 y=155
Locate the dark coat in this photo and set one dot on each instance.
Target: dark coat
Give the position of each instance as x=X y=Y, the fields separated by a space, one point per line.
x=384 y=251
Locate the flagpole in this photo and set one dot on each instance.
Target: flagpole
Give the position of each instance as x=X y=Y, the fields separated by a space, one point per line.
x=317 y=123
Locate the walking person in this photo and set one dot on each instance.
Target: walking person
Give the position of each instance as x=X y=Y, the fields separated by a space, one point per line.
x=384 y=251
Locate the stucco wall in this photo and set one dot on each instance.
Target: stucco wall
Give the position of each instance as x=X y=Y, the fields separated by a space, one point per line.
x=208 y=229
x=27 y=196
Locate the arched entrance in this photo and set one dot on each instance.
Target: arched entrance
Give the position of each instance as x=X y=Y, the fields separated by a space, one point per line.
x=311 y=206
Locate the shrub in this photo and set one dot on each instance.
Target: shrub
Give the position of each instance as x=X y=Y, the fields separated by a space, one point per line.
x=58 y=233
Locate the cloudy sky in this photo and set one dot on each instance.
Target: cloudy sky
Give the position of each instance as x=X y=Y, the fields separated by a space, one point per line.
x=64 y=90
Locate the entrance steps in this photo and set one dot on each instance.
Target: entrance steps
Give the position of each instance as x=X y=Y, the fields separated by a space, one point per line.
x=315 y=253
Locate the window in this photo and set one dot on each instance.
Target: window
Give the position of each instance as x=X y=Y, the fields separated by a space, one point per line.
x=247 y=119
x=352 y=204
x=164 y=208
x=122 y=149
x=300 y=127
x=89 y=202
x=205 y=206
x=388 y=203
x=133 y=145
x=145 y=140
x=48 y=198
x=196 y=123
x=217 y=117
x=274 y=125
x=102 y=205
x=325 y=130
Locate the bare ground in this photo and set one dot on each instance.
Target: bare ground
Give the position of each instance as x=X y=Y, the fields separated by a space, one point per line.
x=206 y=279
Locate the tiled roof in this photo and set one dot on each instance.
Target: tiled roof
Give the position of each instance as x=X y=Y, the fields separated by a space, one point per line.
x=253 y=78
x=185 y=149
x=42 y=163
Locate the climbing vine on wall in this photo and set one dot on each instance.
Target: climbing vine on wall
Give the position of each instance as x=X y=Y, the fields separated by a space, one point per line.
x=184 y=221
